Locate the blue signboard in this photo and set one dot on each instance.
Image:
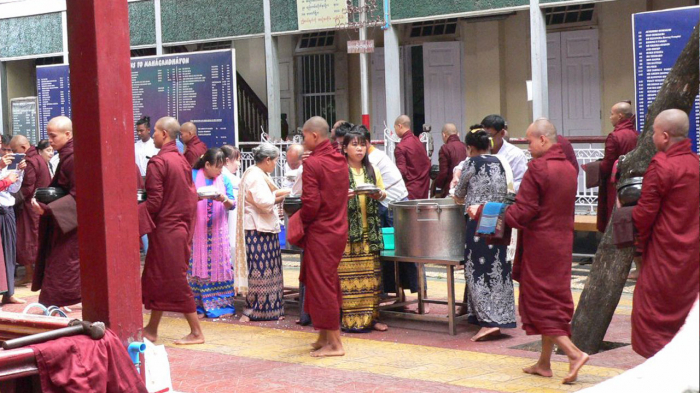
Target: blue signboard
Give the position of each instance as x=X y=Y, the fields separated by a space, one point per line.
x=53 y=94
x=197 y=87
x=659 y=38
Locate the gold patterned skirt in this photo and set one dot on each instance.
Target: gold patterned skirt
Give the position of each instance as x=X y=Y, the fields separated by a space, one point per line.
x=360 y=275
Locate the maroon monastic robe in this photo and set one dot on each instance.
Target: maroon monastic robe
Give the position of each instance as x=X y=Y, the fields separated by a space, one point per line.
x=324 y=214
x=36 y=175
x=451 y=154
x=57 y=272
x=195 y=149
x=171 y=203
x=667 y=219
x=4 y=284
x=544 y=211
x=621 y=141
x=568 y=151
x=414 y=165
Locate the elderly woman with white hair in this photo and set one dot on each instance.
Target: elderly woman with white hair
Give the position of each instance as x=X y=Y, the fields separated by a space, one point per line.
x=258 y=270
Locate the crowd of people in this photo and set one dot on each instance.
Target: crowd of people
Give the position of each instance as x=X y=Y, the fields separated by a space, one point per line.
x=209 y=235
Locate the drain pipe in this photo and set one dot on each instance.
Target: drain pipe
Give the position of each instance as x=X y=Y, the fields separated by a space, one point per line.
x=387 y=18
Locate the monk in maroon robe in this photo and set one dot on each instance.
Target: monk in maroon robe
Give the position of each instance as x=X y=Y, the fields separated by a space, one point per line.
x=667 y=220
x=450 y=155
x=544 y=212
x=324 y=216
x=412 y=160
x=36 y=175
x=621 y=141
x=171 y=204
x=194 y=147
x=569 y=152
x=57 y=272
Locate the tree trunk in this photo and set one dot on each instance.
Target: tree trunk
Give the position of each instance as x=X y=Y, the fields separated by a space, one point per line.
x=603 y=288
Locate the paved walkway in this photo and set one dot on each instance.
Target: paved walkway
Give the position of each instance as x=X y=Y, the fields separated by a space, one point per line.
x=410 y=357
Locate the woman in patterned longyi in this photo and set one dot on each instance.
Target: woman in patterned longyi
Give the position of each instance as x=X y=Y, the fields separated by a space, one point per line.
x=258 y=254
x=360 y=271
x=490 y=299
x=211 y=272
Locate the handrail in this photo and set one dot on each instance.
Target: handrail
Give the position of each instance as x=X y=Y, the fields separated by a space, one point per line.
x=252 y=111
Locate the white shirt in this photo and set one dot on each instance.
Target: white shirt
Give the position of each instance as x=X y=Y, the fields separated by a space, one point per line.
x=290 y=176
x=144 y=152
x=515 y=157
x=7 y=200
x=53 y=163
x=393 y=182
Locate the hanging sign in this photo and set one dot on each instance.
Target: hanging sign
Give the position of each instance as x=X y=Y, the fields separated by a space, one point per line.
x=365 y=46
x=321 y=14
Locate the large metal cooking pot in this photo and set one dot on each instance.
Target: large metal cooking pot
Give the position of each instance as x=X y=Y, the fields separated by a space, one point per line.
x=429 y=228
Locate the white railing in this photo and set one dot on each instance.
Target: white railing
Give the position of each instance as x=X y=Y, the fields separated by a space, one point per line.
x=587 y=149
x=247 y=159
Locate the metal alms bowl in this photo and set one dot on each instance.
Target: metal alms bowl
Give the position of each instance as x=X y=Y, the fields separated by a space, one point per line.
x=366 y=189
x=291 y=205
x=629 y=191
x=47 y=195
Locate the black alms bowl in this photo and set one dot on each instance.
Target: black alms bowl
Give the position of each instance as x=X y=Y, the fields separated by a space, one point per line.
x=629 y=191
x=47 y=195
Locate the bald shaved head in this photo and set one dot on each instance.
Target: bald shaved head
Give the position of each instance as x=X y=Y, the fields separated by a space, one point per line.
x=402 y=125
x=165 y=130
x=673 y=121
x=20 y=144
x=318 y=125
x=544 y=127
x=623 y=108
x=315 y=132
x=541 y=135
x=61 y=124
x=670 y=127
x=294 y=153
x=60 y=131
x=187 y=132
x=449 y=129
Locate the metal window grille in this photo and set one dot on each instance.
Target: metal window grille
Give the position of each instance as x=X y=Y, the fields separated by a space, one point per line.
x=434 y=28
x=322 y=39
x=143 y=52
x=318 y=86
x=569 y=14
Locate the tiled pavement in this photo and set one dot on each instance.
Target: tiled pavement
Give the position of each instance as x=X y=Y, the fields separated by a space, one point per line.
x=410 y=357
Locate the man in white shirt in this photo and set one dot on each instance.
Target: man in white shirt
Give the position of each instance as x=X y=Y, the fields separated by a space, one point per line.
x=8 y=225
x=145 y=148
x=495 y=125
x=293 y=168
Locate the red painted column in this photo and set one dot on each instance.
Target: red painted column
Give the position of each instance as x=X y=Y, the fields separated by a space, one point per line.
x=100 y=72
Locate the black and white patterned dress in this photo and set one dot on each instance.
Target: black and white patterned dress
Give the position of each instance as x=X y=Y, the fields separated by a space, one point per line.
x=490 y=299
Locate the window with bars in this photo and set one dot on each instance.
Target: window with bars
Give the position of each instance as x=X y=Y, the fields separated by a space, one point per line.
x=322 y=39
x=569 y=14
x=434 y=28
x=318 y=86
x=41 y=61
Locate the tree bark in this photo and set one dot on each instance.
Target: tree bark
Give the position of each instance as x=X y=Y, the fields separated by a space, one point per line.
x=606 y=281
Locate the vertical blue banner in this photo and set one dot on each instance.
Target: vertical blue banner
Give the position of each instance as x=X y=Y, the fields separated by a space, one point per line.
x=53 y=94
x=198 y=87
x=659 y=38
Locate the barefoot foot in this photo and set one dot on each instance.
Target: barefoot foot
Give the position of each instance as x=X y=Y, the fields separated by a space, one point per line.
x=318 y=345
x=12 y=300
x=380 y=327
x=574 y=367
x=634 y=275
x=327 y=351
x=190 y=339
x=486 y=333
x=150 y=336
x=539 y=370
x=245 y=318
